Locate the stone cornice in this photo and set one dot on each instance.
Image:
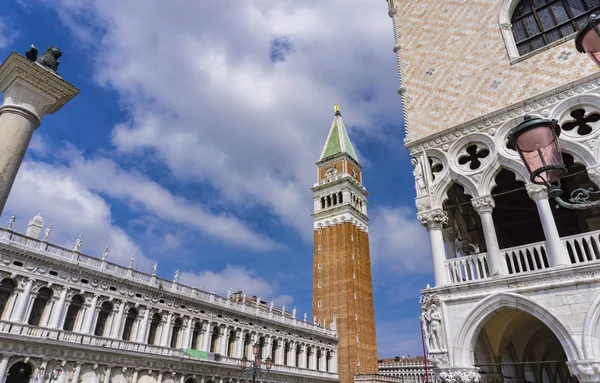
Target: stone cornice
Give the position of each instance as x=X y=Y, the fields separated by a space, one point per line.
x=36 y=266
x=439 y=139
x=17 y=68
x=556 y=277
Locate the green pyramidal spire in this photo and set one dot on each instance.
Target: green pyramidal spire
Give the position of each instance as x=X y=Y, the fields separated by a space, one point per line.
x=338 y=140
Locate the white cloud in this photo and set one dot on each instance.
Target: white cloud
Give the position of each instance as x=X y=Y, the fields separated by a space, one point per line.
x=400 y=244
x=71 y=208
x=205 y=99
x=7 y=33
x=237 y=278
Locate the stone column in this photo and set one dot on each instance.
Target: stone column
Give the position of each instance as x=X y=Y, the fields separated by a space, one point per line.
x=116 y=328
x=222 y=343
x=166 y=330
x=292 y=355
x=90 y=314
x=449 y=235
x=187 y=336
x=239 y=344
x=267 y=347
x=141 y=335
x=313 y=360
x=3 y=367
x=107 y=375
x=484 y=207
x=76 y=374
x=206 y=337
x=134 y=378
x=586 y=371
x=302 y=356
x=435 y=220
x=23 y=302
x=557 y=254
x=30 y=91
x=59 y=308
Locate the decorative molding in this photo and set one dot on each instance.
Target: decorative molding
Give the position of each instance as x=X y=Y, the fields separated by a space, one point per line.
x=585 y=370
x=536 y=192
x=459 y=376
x=484 y=204
x=433 y=219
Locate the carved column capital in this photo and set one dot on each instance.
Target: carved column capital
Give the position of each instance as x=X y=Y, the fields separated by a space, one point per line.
x=536 y=192
x=585 y=370
x=459 y=376
x=483 y=204
x=449 y=234
x=433 y=219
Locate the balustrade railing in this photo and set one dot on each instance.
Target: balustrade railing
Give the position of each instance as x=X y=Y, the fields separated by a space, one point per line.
x=582 y=248
x=260 y=310
x=43 y=333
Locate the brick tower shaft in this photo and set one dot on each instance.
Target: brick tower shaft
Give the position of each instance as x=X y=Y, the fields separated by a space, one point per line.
x=342 y=282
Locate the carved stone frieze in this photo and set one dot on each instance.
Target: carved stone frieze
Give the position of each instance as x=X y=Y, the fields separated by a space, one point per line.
x=459 y=376
x=438 y=359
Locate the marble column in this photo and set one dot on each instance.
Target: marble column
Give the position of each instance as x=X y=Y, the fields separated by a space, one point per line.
x=134 y=378
x=302 y=356
x=484 y=207
x=239 y=344
x=23 y=302
x=187 y=336
x=449 y=235
x=90 y=314
x=3 y=367
x=166 y=330
x=107 y=375
x=59 y=308
x=435 y=220
x=116 y=328
x=30 y=91
x=76 y=374
x=557 y=253
x=141 y=335
x=206 y=337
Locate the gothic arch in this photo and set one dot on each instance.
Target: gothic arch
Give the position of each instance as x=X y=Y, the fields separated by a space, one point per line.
x=591 y=331
x=477 y=317
x=440 y=195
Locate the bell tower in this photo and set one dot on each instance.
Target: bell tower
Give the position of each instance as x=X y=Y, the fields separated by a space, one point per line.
x=342 y=283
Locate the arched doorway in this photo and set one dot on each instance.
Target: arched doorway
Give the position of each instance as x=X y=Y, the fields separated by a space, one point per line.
x=20 y=372
x=528 y=344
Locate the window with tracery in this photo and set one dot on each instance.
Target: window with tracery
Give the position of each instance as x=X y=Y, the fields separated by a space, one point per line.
x=537 y=23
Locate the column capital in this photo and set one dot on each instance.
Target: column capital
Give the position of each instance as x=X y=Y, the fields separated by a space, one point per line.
x=433 y=219
x=449 y=234
x=483 y=204
x=462 y=375
x=585 y=370
x=29 y=87
x=594 y=174
x=536 y=192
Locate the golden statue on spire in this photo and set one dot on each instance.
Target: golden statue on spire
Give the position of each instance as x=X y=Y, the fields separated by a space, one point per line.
x=336 y=108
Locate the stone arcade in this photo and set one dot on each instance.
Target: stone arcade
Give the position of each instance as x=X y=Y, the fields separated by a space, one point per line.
x=69 y=317
x=517 y=282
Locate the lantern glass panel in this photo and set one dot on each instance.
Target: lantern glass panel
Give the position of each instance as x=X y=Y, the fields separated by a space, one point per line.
x=269 y=363
x=591 y=45
x=244 y=362
x=539 y=149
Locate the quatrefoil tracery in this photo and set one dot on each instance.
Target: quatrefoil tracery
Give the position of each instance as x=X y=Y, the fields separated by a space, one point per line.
x=473 y=155
x=581 y=122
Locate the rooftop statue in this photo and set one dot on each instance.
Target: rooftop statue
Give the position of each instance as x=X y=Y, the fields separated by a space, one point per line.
x=49 y=59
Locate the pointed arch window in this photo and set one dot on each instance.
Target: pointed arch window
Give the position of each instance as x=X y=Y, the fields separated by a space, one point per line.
x=537 y=23
x=39 y=306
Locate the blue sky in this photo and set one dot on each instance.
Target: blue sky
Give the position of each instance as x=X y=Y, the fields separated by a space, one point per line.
x=193 y=142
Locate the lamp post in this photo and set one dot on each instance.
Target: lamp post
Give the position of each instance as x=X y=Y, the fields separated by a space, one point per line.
x=536 y=141
x=255 y=370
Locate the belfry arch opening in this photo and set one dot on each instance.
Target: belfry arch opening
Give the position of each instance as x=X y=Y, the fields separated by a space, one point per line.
x=517 y=347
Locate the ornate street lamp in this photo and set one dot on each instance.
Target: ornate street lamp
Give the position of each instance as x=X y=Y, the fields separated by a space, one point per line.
x=536 y=141
x=588 y=39
x=255 y=370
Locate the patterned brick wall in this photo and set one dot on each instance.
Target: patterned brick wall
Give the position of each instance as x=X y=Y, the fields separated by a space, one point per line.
x=455 y=67
x=342 y=268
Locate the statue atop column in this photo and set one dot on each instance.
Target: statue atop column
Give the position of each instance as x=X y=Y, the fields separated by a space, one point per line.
x=78 y=242
x=12 y=221
x=105 y=253
x=48 y=59
x=47 y=233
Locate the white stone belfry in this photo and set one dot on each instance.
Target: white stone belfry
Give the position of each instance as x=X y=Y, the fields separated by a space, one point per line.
x=34 y=227
x=30 y=91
